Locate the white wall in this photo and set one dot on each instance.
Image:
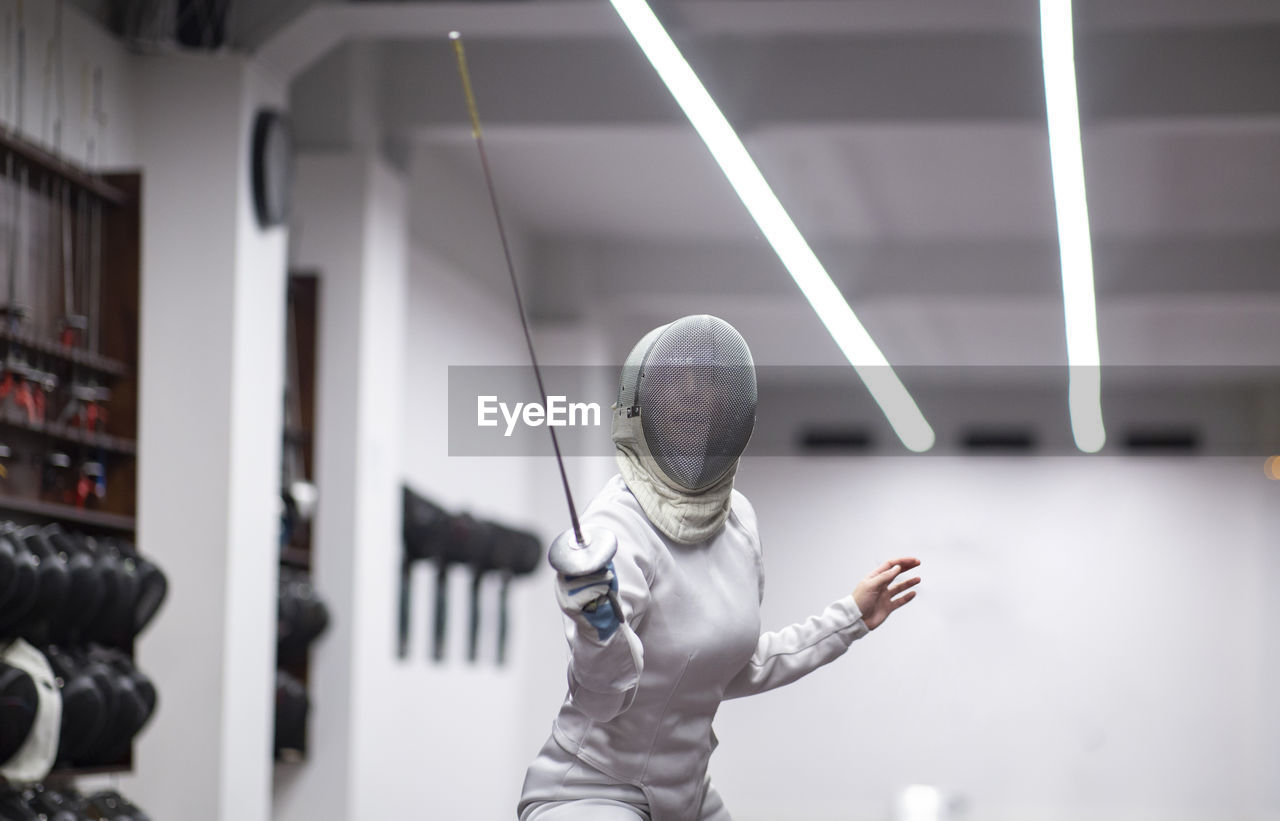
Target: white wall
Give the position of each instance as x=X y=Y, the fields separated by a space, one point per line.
x=453 y=219
x=454 y=724
x=1090 y=640
x=212 y=329
x=389 y=734
x=350 y=230
x=473 y=729
x=462 y=313
x=1266 y=671
x=86 y=49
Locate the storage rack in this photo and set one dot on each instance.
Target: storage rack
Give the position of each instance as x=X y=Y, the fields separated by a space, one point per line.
x=298 y=442
x=100 y=215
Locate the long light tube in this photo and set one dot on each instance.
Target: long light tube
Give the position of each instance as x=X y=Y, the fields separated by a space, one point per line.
x=796 y=255
x=1084 y=390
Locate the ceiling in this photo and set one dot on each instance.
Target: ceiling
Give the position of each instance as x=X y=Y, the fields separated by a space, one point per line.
x=906 y=138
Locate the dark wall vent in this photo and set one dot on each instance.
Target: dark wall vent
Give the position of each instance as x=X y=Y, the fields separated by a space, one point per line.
x=1162 y=440
x=835 y=439
x=998 y=439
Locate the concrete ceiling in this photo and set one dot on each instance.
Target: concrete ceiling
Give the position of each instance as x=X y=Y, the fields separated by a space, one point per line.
x=906 y=138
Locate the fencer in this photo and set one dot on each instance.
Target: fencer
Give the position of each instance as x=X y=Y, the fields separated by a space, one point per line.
x=633 y=737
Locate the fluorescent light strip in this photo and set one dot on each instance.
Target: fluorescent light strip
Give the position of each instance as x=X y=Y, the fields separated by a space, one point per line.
x=796 y=255
x=1067 y=160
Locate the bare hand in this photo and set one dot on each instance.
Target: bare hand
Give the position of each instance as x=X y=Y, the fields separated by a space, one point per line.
x=875 y=594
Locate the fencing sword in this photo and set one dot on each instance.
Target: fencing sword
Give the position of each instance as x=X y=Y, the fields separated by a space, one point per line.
x=574 y=552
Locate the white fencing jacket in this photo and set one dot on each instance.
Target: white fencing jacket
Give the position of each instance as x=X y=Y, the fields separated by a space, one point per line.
x=640 y=704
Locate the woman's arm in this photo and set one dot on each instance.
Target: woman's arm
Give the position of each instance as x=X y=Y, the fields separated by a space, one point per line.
x=783 y=656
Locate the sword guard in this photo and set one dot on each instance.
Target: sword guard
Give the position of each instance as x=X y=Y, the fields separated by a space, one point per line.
x=572 y=559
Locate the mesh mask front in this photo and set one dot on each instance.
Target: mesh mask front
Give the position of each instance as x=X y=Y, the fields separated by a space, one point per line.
x=693 y=385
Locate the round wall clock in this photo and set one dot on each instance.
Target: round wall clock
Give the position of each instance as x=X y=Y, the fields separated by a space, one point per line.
x=272 y=167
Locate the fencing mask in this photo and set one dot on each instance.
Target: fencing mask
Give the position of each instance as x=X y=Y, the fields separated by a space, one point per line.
x=35 y=756
x=685 y=411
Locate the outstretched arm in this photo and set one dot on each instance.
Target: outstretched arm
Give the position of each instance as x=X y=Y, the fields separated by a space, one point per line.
x=783 y=656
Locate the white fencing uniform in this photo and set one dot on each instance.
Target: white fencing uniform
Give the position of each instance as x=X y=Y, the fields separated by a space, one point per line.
x=633 y=737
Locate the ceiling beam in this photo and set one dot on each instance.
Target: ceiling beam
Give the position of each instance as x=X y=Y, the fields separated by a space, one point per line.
x=291 y=34
x=901 y=77
x=584 y=272
x=1205 y=334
